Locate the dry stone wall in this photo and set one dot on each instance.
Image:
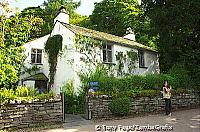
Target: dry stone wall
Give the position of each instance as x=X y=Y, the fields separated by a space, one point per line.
x=21 y=115
x=97 y=106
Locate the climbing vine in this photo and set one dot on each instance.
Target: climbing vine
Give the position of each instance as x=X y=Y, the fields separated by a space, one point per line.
x=132 y=58
x=30 y=70
x=128 y=59
x=53 y=47
x=121 y=58
x=90 y=49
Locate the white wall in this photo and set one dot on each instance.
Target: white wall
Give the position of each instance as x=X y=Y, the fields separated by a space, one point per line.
x=150 y=58
x=29 y=83
x=37 y=44
x=69 y=62
x=65 y=71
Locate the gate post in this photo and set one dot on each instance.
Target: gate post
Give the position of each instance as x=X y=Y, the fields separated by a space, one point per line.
x=63 y=105
x=88 y=110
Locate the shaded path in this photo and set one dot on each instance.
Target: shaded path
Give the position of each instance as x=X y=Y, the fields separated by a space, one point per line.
x=181 y=121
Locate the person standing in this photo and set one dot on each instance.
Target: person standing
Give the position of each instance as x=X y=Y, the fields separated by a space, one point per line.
x=167 y=96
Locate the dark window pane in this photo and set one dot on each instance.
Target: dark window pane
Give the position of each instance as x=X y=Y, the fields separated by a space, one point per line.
x=39 y=58
x=104 y=55
x=33 y=58
x=141 y=59
x=36 y=55
x=109 y=47
x=39 y=51
x=109 y=56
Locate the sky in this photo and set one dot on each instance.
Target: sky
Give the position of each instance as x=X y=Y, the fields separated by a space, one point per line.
x=86 y=8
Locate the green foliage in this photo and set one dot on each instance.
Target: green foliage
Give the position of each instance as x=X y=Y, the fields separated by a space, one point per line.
x=100 y=74
x=182 y=76
x=142 y=93
x=23 y=94
x=87 y=47
x=14 y=32
x=129 y=59
x=120 y=106
x=191 y=61
x=156 y=81
x=115 y=16
x=130 y=84
x=22 y=91
x=6 y=95
x=44 y=96
x=32 y=70
x=178 y=40
x=37 y=21
x=74 y=103
x=53 y=47
x=51 y=8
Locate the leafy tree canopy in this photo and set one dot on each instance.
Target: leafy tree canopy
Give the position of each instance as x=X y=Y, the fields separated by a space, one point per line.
x=177 y=24
x=14 y=31
x=51 y=8
x=115 y=16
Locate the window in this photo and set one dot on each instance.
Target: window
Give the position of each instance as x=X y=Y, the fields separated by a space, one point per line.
x=36 y=56
x=141 y=59
x=107 y=53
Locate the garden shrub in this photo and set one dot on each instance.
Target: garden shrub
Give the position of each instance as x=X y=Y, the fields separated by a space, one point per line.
x=156 y=81
x=130 y=82
x=44 y=96
x=23 y=94
x=100 y=74
x=183 y=79
x=22 y=91
x=6 y=95
x=120 y=106
x=135 y=85
x=74 y=102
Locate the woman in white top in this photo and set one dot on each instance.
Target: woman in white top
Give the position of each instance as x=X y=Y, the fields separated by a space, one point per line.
x=167 y=96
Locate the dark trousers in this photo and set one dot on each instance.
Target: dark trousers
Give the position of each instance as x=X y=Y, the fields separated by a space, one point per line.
x=168 y=106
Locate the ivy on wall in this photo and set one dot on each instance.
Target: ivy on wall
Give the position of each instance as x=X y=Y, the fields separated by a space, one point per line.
x=89 y=47
x=53 y=47
x=132 y=59
x=31 y=70
x=129 y=59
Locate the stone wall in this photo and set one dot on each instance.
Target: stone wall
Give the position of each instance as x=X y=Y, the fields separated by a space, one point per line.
x=21 y=115
x=97 y=106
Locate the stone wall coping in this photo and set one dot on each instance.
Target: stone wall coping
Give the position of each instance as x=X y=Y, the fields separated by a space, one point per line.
x=93 y=96
x=23 y=102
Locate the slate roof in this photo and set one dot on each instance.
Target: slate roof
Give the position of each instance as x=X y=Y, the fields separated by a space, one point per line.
x=39 y=76
x=105 y=36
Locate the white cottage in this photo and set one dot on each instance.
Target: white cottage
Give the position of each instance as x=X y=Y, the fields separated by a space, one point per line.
x=73 y=59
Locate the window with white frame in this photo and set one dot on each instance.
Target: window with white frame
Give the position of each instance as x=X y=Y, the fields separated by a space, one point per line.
x=107 y=53
x=141 y=58
x=36 y=56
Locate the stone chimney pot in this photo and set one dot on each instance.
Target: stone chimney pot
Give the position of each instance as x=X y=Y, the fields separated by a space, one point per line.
x=130 y=34
x=62 y=16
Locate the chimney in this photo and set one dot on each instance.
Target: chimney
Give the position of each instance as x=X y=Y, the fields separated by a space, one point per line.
x=129 y=34
x=62 y=16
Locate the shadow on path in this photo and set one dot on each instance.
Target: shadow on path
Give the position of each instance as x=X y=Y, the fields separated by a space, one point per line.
x=75 y=120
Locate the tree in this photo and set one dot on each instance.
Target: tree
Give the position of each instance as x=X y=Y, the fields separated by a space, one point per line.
x=36 y=17
x=14 y=31
x=173 y=31
x=177 y=24
x=51 y=8
x=115 y=16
